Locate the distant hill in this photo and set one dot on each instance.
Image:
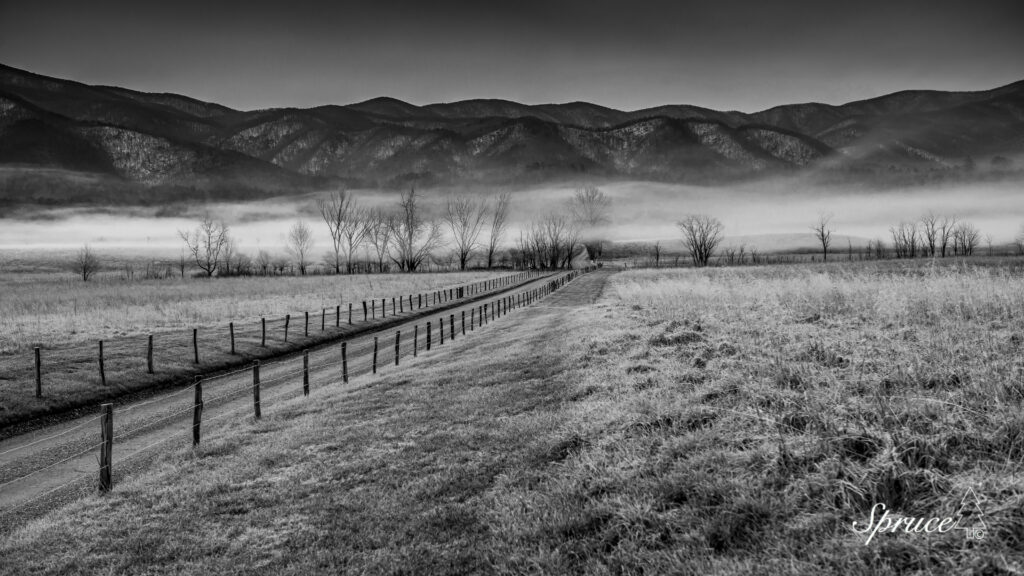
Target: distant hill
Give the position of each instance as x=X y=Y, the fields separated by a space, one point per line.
x=166 y=140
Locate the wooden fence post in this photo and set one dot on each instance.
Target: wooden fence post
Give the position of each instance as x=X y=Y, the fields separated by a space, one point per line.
x=231 y=327
x=305 y=372
x=415 y=340
x=287 y=321
x=306 y=331
x=440 y=331
x=451 y=326
x=463 y=322
x=103 y=373
x=323 y=319
x=392 y=305
x=374 y=354
x=419 y=298
x=344 y=362
x=197 y=410
x=39 y=374
x=383 y=307
x=106 y=446
x=149 y=356
x=349 y=313
x=373 y=309
x=472 y=317
x=398 y=336
x=195 y=344
x=337 y=316
x=428 y=336
x=263 y=337
x=256 y=387
x=365 y=315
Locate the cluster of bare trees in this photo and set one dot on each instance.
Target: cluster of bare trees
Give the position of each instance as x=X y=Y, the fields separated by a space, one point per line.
x=554 y=240
x=932 y=235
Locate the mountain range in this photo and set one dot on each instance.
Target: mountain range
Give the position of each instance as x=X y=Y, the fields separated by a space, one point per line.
x=89 y=138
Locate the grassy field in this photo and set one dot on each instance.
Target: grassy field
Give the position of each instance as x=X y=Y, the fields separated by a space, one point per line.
x=724 y=421
x=57 y=309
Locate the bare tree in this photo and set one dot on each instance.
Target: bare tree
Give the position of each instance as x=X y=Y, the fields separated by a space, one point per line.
x=988 y=242
x=930 y=226
x=264 y=262
x=337 y=210
x=966 y=237
x=1019 y=241
x=947 y=227
x=701 y=236
x=465 y=218
x=414 y=236
x=300 y=244
x=206 y=243
x=589 y=208
x=823 y=232
x=87 y=263
x=354 y=233
x=656 y=253
x=379 y=228
x=904 y=239
x=498 y=225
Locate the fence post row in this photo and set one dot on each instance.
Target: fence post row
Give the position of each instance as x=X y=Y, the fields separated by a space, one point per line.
x=106 y=446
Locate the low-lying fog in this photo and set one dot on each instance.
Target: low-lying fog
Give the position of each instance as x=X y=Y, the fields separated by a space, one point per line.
x=767 y=214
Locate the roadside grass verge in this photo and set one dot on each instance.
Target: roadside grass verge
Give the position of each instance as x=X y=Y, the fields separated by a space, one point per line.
x=712 y=422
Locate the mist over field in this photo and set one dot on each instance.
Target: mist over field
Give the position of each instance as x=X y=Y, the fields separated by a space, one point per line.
x=768 y=214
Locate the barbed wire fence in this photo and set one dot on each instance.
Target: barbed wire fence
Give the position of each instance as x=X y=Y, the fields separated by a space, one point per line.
x=140 y=427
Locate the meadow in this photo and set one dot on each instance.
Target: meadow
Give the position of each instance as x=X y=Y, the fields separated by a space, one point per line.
x=715 y=421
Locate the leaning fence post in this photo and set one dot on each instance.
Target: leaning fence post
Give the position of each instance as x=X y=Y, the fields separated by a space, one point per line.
x=287 y=321
x=398 y=336
x=256 y=387
x=103 y=373
x=197 y=410
x=106 y=446
x=344 y=362
x=149 y=356
x=195 y=344
x=392 y=306
x=374 y=354
x=305 y=372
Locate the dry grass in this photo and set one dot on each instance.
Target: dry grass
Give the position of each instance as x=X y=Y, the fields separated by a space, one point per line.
x=719 y=421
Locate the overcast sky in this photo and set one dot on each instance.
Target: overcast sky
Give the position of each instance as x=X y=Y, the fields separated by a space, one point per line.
x=720 y=54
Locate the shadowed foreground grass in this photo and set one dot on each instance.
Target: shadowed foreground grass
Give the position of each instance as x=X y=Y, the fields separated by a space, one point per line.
x=690 y=422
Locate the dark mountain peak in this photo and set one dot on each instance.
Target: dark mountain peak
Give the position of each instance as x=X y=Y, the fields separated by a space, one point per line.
x=389 y=107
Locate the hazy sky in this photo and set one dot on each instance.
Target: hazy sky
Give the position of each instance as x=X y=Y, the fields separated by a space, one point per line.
x=723 y=54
